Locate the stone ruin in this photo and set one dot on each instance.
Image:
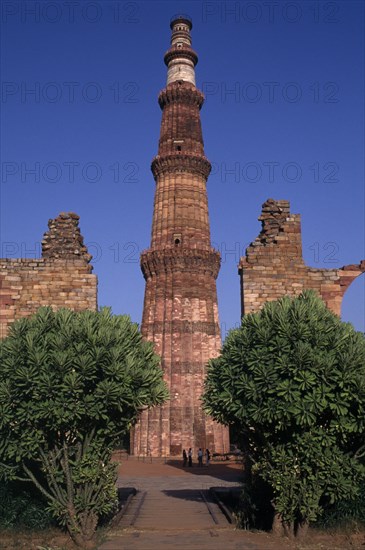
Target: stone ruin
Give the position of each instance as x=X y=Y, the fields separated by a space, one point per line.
x=60 y=278
x=64 y=240
x=273 y=265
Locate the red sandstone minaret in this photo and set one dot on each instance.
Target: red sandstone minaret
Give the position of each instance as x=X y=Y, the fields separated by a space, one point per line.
x=180 y=268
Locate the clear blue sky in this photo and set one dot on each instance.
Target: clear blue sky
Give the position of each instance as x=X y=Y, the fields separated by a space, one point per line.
x=284 y=112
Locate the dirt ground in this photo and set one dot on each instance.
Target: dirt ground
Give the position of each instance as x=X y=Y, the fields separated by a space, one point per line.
x=55 y=540
x=27 y=540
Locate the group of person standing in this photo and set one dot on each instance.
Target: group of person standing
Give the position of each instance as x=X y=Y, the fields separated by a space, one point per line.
x=188 y=457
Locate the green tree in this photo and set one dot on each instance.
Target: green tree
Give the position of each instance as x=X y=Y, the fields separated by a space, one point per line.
x=71 y=384
x=292 y=380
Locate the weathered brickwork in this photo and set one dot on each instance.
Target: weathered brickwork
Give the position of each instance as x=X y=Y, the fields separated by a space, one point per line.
x=274 y=265
x=180 y=312
x=61 y=278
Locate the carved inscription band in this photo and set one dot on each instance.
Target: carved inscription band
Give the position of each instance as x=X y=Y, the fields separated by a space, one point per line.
x=189 y=327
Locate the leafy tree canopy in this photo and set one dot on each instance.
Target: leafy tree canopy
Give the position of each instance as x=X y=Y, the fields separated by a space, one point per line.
x=292 y=378
x=71 y=384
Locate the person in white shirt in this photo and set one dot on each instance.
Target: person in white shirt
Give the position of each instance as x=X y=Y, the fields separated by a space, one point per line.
x=200 y=457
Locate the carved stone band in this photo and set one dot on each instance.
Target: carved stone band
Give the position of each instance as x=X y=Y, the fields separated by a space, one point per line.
x=181 y=259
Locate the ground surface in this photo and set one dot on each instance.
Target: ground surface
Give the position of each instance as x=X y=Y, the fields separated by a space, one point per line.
x=173 y=510
x=170 y=512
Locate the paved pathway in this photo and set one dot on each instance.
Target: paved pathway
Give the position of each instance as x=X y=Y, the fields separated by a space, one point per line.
x=175 y=509
x=170 y=497
x=170 y=511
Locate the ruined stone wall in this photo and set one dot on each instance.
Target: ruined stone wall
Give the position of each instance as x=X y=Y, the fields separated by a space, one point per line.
x=61 y=278
x=274 y=266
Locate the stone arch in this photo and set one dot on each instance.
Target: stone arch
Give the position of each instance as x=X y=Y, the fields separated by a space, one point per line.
x=354 y=298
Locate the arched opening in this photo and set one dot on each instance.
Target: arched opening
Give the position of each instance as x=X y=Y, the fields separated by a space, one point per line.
x=353 y=304
x=176 y=239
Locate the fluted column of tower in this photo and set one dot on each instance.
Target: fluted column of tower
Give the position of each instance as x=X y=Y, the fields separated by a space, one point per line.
x=180 y=268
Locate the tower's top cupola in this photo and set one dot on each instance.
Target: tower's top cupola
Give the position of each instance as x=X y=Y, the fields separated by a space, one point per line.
x=181 y=58
x=181 y=18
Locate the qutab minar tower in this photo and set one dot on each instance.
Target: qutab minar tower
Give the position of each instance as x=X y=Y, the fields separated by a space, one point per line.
x=180 y=268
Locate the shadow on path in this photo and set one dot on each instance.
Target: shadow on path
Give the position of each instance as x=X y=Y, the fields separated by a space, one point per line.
x=227 y=471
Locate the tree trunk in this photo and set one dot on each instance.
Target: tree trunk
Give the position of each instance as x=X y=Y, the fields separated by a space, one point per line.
x=80 y=541
x=83 y=543
x=289 y=529
x=82 y=529
x=277 y=525
x=247 y=466
x=302 y=529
